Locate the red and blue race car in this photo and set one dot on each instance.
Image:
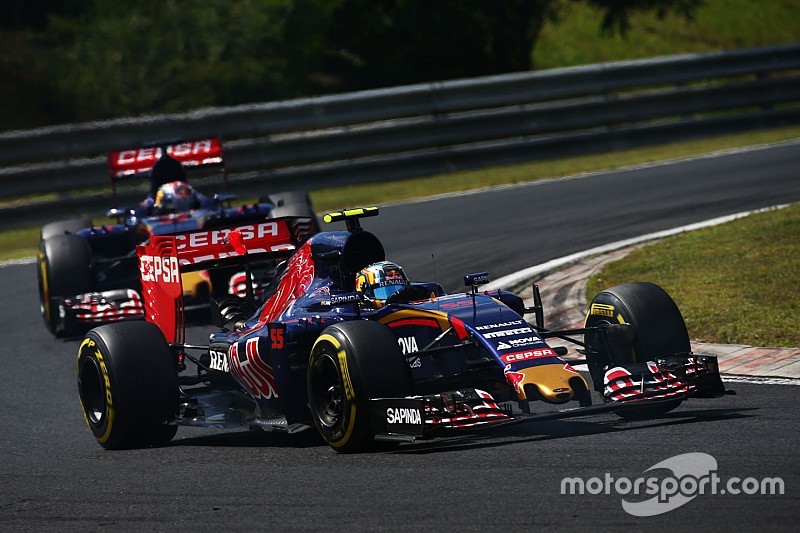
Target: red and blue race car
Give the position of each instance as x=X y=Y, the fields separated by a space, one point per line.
x=343 y=343
x=88 y=273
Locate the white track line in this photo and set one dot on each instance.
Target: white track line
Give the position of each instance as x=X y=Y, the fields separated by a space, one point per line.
x=14 y=262
x=759 y=380
x=593 y=173
x=518 y=278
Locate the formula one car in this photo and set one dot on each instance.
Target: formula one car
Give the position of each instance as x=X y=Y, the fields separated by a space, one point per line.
x=343 y=342
x=88 y=273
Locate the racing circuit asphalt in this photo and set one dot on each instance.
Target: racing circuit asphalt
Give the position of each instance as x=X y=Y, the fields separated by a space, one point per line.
x=53 y=476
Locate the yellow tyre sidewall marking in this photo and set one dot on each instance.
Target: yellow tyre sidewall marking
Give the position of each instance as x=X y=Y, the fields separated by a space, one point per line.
x=619 y=318
x=109 y=404
x=45 y=285
x=633 y=352
x=348 y=386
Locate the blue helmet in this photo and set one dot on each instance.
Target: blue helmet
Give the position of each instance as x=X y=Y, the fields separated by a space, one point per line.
x=175 y=196
x=380 y=280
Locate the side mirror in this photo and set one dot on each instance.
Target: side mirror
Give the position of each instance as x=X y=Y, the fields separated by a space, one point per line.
x=473 y=280
x=119 y=212
x=225 y=197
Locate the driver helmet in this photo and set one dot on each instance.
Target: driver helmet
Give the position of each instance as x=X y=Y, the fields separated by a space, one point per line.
x=380 y=280
x=175 y=196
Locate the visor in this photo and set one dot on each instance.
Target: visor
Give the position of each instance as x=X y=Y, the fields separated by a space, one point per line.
x=382 y=293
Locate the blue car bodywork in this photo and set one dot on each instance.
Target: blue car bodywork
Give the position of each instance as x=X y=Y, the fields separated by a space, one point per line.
x=311 y=354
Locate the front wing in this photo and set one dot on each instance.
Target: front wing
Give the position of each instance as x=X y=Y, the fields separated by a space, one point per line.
x=101 y=307
x=630 y=387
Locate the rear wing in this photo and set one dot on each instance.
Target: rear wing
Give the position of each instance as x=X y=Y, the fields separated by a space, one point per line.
x=127 y=163
x=134 y=162
x=164 y=258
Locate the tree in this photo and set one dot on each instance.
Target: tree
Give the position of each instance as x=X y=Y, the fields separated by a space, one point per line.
x=618 y=13
x=73 y=60
x=387 y=42
x=390 y=42
x=145 y=56
x=24 y=14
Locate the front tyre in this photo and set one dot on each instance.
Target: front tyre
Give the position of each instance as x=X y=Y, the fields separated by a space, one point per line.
x=658 y=324
x=349 y=364
x=128 y=385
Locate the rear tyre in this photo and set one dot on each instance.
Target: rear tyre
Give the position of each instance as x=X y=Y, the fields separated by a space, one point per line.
x=62 y=227
x=658 y=323
x=349 y=364
x=63 y=270
x=128 y=385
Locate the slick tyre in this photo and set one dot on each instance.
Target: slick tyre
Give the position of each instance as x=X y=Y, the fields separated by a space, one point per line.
x=658 y=323
x=128 y=385
x=62 y=227
x=63 y=269
x=349 y=364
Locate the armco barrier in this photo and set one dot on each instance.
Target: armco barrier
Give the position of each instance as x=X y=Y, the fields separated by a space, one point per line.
x=419 y=129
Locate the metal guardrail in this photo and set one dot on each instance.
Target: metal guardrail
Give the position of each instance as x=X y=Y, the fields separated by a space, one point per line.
x=419 y=129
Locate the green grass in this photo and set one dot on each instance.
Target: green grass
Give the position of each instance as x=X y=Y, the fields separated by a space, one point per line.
x=737 y=283
x=717 y=25
x=18 y=243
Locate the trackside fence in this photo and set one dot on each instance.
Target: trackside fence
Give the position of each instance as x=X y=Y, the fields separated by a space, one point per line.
x=415 y=130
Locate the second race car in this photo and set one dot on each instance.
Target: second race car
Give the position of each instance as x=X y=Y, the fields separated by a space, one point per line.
x=88 y=273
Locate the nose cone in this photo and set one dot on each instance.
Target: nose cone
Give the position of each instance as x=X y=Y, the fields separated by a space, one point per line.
x=553 y=383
